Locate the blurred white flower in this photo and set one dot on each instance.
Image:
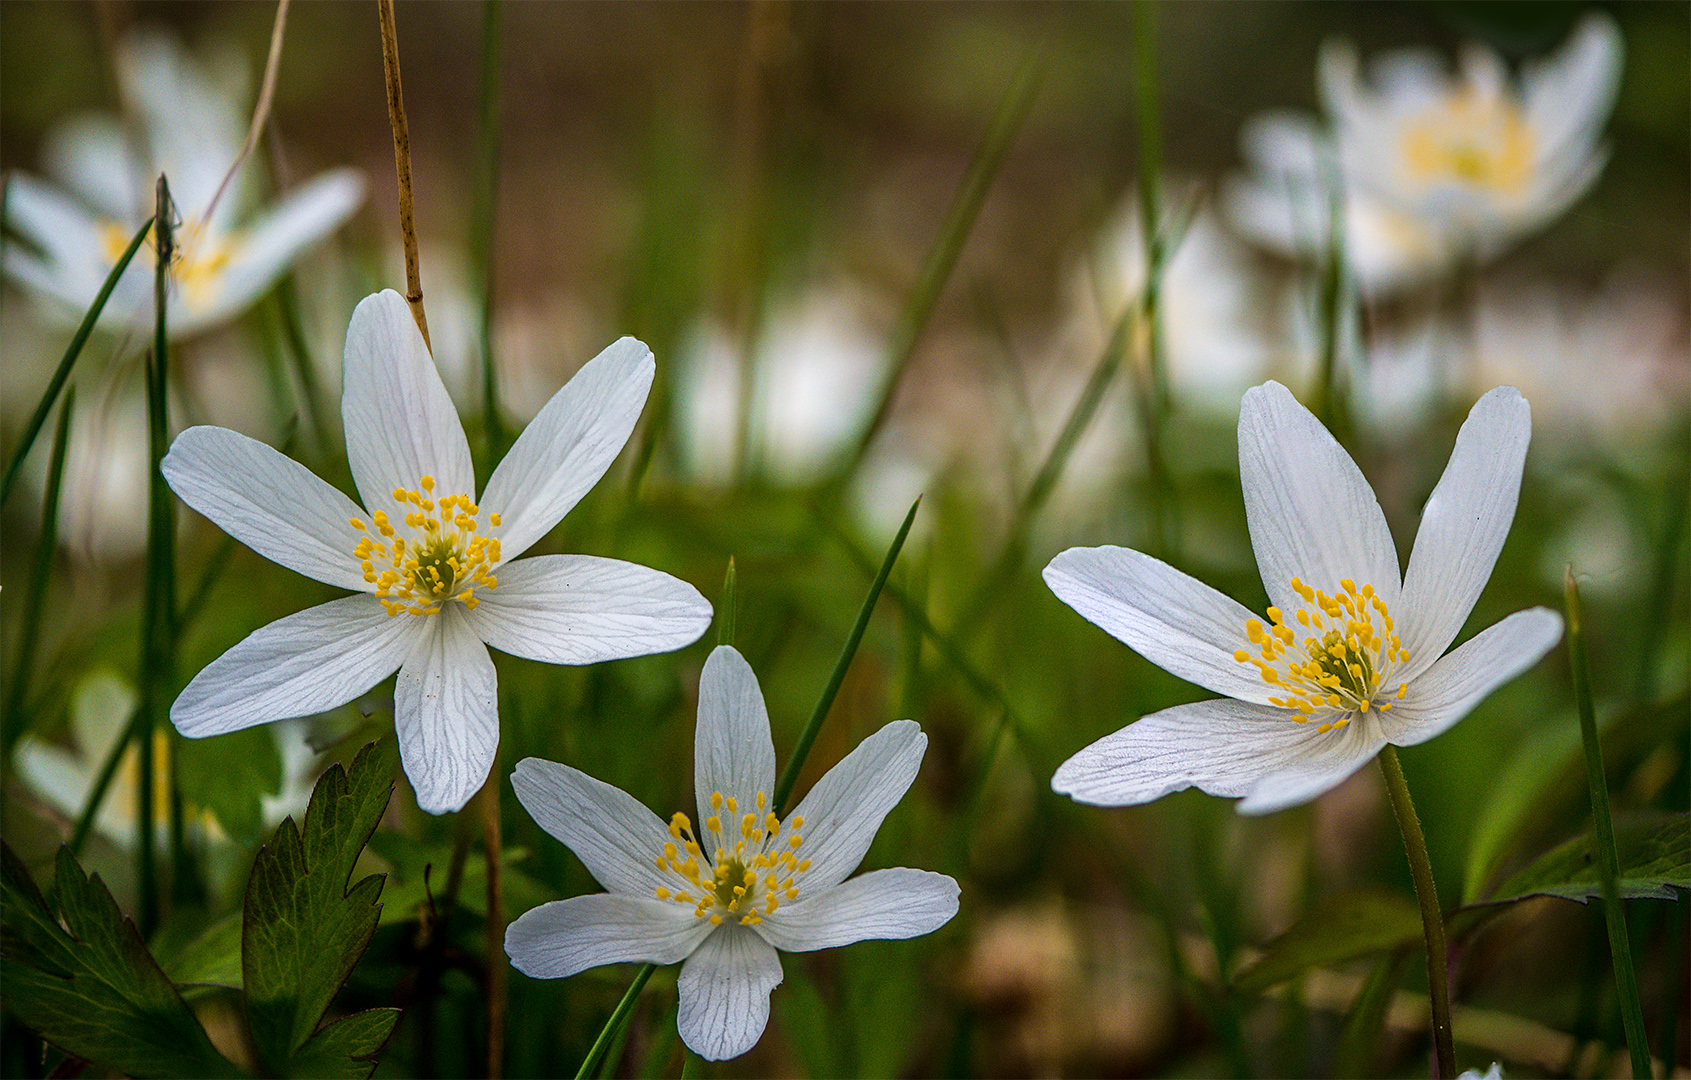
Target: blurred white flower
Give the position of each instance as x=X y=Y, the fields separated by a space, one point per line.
x=433 y=604
x=1299 y=716
x=724 y=898
x=1431 y=169
x=189 y=125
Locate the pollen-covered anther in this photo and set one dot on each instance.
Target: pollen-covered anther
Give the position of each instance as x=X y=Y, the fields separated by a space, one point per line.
x=1340 y=667
x=741 y=882
x=445 y=558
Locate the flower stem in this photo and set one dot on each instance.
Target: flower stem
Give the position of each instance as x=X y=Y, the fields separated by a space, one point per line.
x=1154 y=396
x=35 y=593
x=1603 y=833
x=1432 y=919
x=72 y=351
x=619 y=1017
x=482 y=223
x=790 y=774
x=402 y=165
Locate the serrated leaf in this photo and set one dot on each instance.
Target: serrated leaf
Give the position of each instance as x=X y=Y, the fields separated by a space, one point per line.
x=90 y=987
x=229 y=776
x=303 y=929
x=1655 y=858
x=346 y=1048
x=1336 y=929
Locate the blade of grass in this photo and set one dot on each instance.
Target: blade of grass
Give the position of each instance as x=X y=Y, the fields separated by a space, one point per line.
x=1330 y=310
x=35 y=594
x=1432 y=918
x=482 y=223
x=959 y=223
x=1603 y=830
x=1354 y=1056
x=1153 y=388
x=790 y=774
x=725 y=622
x=72 y=351
x=613 y=1027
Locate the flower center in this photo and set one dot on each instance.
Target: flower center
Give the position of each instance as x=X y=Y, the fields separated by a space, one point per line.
x=752 y=865
x=1476 y=143
x=1337 y=669
x=443 y=559
x=198 y=262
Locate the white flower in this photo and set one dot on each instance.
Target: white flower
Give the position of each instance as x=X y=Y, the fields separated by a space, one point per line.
x=1350 y=657
x=726 y=896
x=187 y=127
x=434 y=580
x=1433 y=169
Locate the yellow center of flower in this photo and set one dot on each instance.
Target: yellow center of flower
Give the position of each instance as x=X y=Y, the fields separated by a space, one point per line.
x=197 y=262
x=1346 y=649
x=752 y=863
x=1478 y=142
x=442 y=559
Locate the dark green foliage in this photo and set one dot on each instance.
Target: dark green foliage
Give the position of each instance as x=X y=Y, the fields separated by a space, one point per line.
x=1655 y=858
x=1339 y=928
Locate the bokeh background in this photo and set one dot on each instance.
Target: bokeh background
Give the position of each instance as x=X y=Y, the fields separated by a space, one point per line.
x=754 y=190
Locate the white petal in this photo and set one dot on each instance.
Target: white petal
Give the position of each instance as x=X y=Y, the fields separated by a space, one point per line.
x=569 y=444
x=884 y=905
x=612 y=834
x=269 y=502
x=1333 y=758
x=1223 y=747
x=732 y=751
x=269 y=245
x=1310 y=512
x=400 y=425
x=1171 y=619
x=567 y=936
x=1568 y=95
x=724 y=990
x=1449 y=689
x=93 y=157
x=446 y=712
x=844 y=810
x=581 y=609
x=311 y=661
x=1463 y=527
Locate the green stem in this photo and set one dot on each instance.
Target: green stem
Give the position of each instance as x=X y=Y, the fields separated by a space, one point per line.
x=619 y=1017
x=725 y=613
x=790 y=774
x=1155 y=398
x=1432 y=919
x=293 y=334
x=62 y=373
x=482 y=223
x=1330 y=310
x=1603 y=832
x=959 y=223
x=35 y=595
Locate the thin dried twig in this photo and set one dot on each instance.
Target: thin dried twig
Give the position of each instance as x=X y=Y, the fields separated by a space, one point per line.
x=402 y=165
x=261 y=111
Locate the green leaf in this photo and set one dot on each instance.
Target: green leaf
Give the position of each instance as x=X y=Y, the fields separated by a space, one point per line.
x=1336 y=929
x=1655 y=859
x=211 y=959
x=347 y=1047
x=303 y=929
x=229 y=776
x=89 y=986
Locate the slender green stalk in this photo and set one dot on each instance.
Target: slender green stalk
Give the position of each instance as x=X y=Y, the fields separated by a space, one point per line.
x=619 y=1017
x=72 y=351
x=35 y=594
x=725 y=613
x=959 y=223
x=692 y=1065
x=482 y=223
x=1432 y=918
x=103 y=782
x=1154 y=397
x=494 y=926
x=293 y=334
x=158 y=603
x=790 y=774
x=1603 y=833
x=1330 y=311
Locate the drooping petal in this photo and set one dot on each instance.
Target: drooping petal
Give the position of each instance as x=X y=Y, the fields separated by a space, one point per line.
x=301 y=665
x=1311 y=513
x=269 y=502
x=400 y=425
x=582 y=609
x=883 y=905
x=270 y=244
x=612 y=834
x=732 y=751
x=724 y=989
x=844 y=810
x=1449 y=690
x=1223 y=747
x=1171 y=619
x=566 y=936
x=446 y=712
x=1463 y=527
x=569 y=444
